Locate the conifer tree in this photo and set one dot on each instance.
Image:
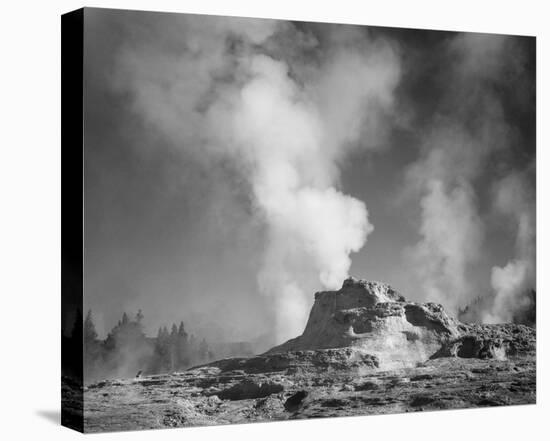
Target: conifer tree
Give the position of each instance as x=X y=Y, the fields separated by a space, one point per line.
x=183 y=347
x=92 y=348
x=174 y=349
x=139 y=317
x=90 y=333
x=203 y=350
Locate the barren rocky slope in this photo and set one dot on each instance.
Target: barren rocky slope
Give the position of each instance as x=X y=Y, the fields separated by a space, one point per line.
x=365 y=350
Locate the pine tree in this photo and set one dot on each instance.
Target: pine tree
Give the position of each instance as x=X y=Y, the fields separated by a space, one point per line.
x=92 y=348
x=174 y=353
x=126 y=347
x=161 y=357
x=183 y=347
x=174 y=331
x=90 y=333
x=181 y=330
x=203 y=350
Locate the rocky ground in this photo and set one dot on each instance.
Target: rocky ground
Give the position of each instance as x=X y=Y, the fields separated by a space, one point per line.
x=365 y=350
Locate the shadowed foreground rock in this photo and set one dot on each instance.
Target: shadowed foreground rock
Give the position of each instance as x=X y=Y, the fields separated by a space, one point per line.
x=365 y=350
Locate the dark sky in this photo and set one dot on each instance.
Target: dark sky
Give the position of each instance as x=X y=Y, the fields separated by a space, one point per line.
x=223 y=157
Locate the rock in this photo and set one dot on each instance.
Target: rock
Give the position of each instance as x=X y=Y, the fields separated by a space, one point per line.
x=491 y=341
x=248 y=389
x=373 y=318
x=295 y=400
x=367 y=385
x=214 y=400
x=421 y=400
x=365 y=350
x=322 y=359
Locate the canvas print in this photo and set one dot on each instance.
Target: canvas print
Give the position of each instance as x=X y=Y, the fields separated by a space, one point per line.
x=268 y=220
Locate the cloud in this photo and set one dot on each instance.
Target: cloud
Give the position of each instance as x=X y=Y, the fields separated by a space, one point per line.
x=468 y=128
x=226 y=90
x=451 y=232
x=513 y=282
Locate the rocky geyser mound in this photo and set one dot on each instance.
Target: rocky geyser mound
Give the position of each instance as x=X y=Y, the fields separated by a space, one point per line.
x=372 y=318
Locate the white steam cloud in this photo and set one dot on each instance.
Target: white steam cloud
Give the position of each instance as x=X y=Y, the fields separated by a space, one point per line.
x=469 y=128
x=286 y=125
x=451 y=229
x=513 y=282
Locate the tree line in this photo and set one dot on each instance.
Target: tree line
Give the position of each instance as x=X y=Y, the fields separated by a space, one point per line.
x=127 y=351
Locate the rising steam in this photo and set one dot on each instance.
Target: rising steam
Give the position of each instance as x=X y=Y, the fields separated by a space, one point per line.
x=284 y=106
x=451 y=229
x=513 y=282
x=225 y=94
x=470 y=129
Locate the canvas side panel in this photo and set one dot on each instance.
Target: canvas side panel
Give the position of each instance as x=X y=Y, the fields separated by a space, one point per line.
x=72 y=39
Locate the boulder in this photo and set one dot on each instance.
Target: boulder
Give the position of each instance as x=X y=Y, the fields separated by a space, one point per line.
x=248 y=389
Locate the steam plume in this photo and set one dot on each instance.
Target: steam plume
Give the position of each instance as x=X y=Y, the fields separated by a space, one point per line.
x=513 y=282
x=470 y=126
x=286 y=127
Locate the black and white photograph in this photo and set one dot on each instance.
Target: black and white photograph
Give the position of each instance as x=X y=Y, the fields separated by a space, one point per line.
x=291 y=220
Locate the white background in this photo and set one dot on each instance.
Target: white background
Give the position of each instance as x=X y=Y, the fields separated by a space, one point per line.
x=30 y=217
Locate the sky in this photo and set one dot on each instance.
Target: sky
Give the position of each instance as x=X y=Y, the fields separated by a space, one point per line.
x=235 y=166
